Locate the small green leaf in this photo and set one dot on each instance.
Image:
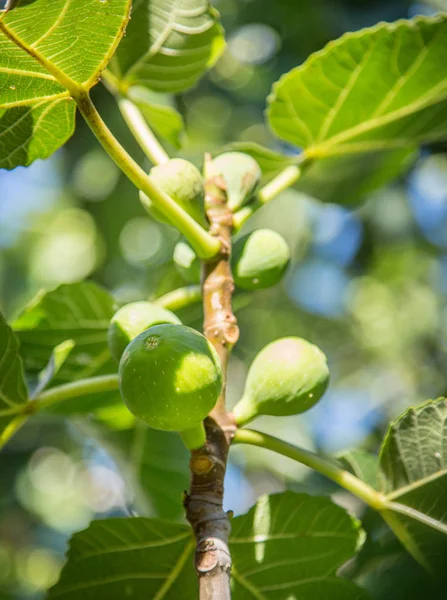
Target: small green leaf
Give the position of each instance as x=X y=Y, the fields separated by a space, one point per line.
x=169 y=44
x=413 y=462
x=163 y=118
x=13 y=392
x=288 y=546
x=67 y=46
x=80 y=312
x=363 y=465
x=57 y=359
x=376 y=89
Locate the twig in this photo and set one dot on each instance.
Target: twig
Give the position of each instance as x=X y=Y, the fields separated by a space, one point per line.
x=322 y=465
x=180 y=298
x=204 y=503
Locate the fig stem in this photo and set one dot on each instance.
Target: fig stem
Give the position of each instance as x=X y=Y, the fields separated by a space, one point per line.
x=281 y=182
x=194 y=438
x=244 y=411
x=285 y=179
x=142 y=132
x=180 y=298
x=206 y=245
x=322 y=465
x=137 y=124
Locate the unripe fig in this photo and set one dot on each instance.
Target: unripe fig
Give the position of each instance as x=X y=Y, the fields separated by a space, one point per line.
x=182 y=181
x=241 y=174
x=287 y=377
x=131 y=320
x=259 y=259
x=186 y=262
x=171 y=378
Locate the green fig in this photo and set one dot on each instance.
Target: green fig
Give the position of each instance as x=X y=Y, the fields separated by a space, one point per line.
x=182 y=181
x=131 y=320
x=287 y=377
x=171 y=378
x=242 y=175
x=186 y=262
x=259 y=259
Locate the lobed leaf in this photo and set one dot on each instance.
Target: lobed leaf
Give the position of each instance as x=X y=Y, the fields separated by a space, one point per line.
x=80 y=312
x=289 y=545
x=379 y=88
x=169 y=44
x=360 y=107
x=67 y=46
x=413 y=462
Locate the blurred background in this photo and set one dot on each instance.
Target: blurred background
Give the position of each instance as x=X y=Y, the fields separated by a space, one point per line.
x=367 y=284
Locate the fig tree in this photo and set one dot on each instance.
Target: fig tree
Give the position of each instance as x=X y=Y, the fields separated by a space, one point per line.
x=241 y=174
x=182 y=181
x=259 y=259
x=131 y=320
x=287 y=377
x=186 y=262
x=171 y=378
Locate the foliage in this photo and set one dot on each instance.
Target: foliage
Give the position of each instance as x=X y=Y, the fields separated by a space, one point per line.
x=349 y=120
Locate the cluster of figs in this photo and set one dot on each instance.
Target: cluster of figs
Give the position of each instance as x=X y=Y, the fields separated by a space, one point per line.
x=170 y=374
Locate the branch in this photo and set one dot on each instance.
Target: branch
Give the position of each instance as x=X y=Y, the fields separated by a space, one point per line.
x=322 y=465
x=204 y=503
x=75 y=389
x=205 y=245
x=93 y=385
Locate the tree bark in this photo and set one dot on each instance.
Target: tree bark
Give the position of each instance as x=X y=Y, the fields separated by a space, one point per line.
x=204 y=503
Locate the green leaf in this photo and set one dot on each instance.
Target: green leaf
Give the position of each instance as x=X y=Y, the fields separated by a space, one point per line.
x=129 y=558
x=80 y=312
x=163 y=118
x=363 y=465
x=326 y=178
x=361 y=106
x=385 y=569
x=154 y=462
x=67 y=46
x=291 y=546
x=57 y=359
x=413 y=463
x=13 y=392
x=169 y=44
x=288 y=546
x=376 y=89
